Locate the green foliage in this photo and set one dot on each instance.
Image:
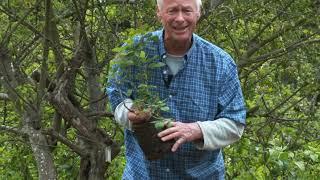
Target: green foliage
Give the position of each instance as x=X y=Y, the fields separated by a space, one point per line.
x=16 y=161
x=163 y=124
x=132 y=66
x=67 y=163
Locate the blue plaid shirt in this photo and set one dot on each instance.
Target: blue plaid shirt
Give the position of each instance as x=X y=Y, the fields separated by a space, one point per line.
x=207 y=88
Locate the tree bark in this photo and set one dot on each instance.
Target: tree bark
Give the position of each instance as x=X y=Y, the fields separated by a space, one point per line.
x=42 y=154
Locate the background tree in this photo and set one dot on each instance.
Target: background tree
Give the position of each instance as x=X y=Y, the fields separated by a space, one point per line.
x=54 y=61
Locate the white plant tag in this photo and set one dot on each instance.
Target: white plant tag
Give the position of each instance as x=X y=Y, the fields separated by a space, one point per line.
x=108 y=153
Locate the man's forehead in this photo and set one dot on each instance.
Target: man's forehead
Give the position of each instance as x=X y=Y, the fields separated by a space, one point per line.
x=183 y=3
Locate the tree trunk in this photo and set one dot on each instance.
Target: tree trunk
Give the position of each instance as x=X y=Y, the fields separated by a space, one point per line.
x=40 y=149
x=43 y=156
x=94 y=166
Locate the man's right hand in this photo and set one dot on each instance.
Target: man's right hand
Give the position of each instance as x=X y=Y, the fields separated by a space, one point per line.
x=137 y=117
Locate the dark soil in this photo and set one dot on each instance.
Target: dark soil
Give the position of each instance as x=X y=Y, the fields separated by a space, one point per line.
x=151 y=145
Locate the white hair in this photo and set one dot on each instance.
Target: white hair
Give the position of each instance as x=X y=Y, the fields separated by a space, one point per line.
x=198 y=3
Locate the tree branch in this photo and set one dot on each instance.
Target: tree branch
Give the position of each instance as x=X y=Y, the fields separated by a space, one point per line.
x=13 y=130
x=9 y=80
x=67 y=142
x=245 y=58
x=69 y=112
x=111 y=2
x=13 y=29
x=280 y=13
x=282 y=51
x=285 y=100
x=27 y=49
x=27 y=25
x=100 y=114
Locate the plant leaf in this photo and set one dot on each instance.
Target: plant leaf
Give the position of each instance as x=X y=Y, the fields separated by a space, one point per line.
x=156 y=65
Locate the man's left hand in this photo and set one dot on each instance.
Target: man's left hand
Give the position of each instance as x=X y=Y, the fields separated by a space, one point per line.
x=182 y=133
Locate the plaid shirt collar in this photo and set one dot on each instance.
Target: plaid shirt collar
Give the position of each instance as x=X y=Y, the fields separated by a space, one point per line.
x=162 y=49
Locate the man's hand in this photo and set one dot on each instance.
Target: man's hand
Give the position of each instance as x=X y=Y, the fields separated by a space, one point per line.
x=181 y=132
x=139 y=116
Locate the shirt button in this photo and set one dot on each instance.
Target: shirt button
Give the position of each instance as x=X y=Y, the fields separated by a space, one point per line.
x=170 y=96
x=167 y=170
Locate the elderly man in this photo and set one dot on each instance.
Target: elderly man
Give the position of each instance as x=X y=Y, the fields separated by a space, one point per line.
x=204 y=97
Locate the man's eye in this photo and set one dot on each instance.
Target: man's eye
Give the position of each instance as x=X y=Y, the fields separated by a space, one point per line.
x=172 y=11
x=187 y=12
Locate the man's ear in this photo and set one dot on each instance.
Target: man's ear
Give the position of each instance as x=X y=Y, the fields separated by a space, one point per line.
x=158 y=13
x=198 y=15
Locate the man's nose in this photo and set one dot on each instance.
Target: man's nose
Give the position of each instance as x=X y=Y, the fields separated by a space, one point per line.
x=180 y=16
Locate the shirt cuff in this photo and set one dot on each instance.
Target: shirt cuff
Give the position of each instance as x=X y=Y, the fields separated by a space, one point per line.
x=121 y=113
x=219 y=133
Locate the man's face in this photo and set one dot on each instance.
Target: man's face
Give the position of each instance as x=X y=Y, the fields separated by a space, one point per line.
x=179 y=19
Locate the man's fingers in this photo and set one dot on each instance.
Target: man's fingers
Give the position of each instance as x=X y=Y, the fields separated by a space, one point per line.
x=138 y=117
x=167 y=132
x=174 y=135
x=131 y=116
x=181 y=133
x=178 y=143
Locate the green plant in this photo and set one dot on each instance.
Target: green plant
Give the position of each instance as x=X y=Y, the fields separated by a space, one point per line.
x=132 y=73
x=133 y=68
